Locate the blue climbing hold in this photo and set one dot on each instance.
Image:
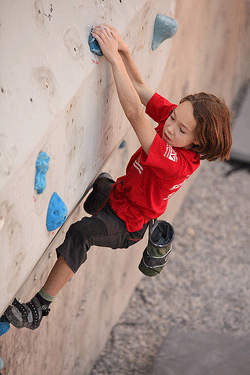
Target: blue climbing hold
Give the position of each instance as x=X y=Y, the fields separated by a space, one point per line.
x=57 y=213
x=122 y=144
x=4 y=325
x=42 y=166
x=1 y=364
x=94 y=45
x=164 y=28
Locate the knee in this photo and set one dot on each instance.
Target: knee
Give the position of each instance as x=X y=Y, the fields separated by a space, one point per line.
x=79 y=226
x=79 y=232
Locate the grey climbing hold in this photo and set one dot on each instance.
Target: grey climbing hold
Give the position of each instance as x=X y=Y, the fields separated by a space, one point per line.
x=164 y=28
x=94 y=45
x=42 y=166
x=57 y=213
x=4 y=325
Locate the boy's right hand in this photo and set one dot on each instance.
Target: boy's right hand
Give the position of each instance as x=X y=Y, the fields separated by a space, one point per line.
x=122 y=46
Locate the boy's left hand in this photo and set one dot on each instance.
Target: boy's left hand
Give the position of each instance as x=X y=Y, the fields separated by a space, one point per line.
x=108 y=43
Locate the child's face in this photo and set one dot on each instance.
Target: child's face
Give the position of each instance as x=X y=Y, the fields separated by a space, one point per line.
x=180 y=127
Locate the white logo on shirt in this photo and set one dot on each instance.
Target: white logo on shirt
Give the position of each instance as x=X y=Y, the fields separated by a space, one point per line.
x=170 y=154
x=137 y=165
x=179 y=185
x=175 y=187
x=170 y=195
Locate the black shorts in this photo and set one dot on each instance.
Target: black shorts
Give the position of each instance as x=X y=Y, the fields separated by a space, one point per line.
x=104 y=228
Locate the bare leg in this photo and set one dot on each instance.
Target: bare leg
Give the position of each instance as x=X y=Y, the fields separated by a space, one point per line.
x=60 y=274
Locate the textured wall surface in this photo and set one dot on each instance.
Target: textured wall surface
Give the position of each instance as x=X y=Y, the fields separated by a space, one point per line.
x=210 y=53
x=58 y=97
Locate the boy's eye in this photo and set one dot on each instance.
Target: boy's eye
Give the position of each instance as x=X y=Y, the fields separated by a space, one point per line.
x=172 y=117
x=182 y=131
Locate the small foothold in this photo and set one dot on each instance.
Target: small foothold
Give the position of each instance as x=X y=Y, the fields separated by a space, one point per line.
x=123 y=144
x=94 y=45
x=42 y=166
x=4 y=325
x=1 y=364
x=57 y=213
x=1 y=223
x=164 y=28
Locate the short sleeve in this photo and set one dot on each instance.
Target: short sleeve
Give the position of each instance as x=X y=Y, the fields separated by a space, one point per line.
x=164 y=160
x=159 y=108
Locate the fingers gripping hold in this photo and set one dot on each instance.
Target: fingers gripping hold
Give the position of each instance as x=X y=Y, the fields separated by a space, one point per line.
x=108 y=43
x=102 y=32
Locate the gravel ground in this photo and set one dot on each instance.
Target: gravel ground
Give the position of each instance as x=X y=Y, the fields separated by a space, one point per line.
x=206 y=284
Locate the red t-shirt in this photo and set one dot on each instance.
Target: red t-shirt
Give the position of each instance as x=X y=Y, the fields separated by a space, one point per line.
x=150 y=180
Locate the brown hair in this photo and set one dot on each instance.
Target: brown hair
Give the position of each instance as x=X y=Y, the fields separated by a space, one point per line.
x=213 y=130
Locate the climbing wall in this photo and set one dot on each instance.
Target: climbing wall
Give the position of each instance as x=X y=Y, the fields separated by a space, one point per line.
x=59 y=98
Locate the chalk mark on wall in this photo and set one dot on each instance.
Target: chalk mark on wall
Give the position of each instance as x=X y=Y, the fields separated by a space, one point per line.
x=49 y=15
x=74 y=45
x=45 y=79
x=38 y=12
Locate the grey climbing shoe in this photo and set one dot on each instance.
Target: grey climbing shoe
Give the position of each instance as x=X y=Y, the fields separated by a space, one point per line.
x=27 y=315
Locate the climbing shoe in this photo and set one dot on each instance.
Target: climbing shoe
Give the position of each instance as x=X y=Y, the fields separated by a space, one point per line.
x=27 y=315
x=99 y=194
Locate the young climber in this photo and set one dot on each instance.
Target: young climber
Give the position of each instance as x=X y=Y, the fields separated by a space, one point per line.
x=197 y=128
